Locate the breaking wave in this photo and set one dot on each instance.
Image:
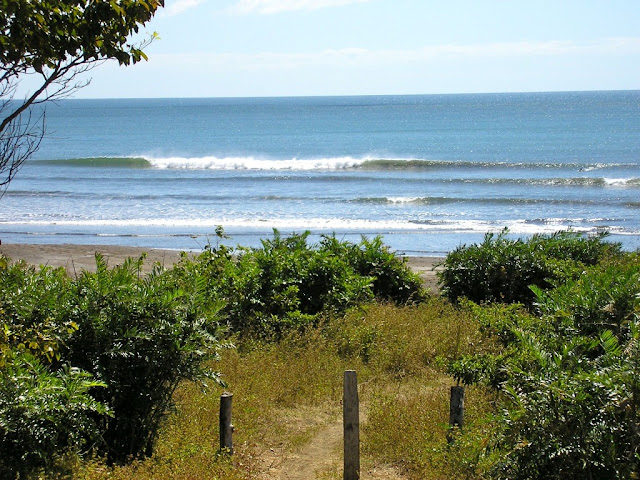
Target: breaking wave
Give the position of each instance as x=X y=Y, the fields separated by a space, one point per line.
x=328 y=163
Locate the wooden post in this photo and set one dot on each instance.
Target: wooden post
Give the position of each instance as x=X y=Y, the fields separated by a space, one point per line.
x=456 y=409
x=226 y=428
x=351 y=424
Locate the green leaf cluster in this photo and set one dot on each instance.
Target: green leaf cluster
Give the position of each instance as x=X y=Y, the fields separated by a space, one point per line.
x=44 y=414
x=141 y=336
x=568 y=376
x=41 y=33
x=94 y=361
x=32 y=310
x=288 y=283
x=502 y=269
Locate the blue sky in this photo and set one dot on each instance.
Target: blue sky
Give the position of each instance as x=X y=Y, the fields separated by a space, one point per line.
x=229 y=48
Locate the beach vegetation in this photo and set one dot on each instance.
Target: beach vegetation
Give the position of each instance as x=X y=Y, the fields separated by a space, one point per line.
x=51 y=44
x=289 y=283
x=141 y=336
x=503 y=269
x=32 y=305
x=567 y=377
x=93 y=362
x=551 y=385
x=286 y=392
x=133 y=338
x=45 y=415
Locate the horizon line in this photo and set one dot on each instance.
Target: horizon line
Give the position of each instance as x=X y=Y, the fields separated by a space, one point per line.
x=357 y=95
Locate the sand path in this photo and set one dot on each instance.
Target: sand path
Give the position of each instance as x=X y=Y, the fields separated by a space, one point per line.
x=320 y=457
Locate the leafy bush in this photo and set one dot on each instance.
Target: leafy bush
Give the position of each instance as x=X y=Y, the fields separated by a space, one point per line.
x=141 y=336
x=134 y=336
x=32 y=310
x=565 y=418
x=288 y=283
x=45 y=406
x=393 y=280
x=502 y=270
x=602 y=298
x=44 y=414
x=569 y=378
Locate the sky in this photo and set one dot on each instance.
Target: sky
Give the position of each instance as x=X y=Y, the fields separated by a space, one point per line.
x=255 y=48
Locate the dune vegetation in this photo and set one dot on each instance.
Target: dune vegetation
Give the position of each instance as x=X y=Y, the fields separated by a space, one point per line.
x=118 y=374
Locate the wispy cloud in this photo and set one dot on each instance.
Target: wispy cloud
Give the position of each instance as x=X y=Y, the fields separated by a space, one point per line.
x=359 y=57
x=604 y=64
x=178 y=6
x=607 y=46
x=267 y=7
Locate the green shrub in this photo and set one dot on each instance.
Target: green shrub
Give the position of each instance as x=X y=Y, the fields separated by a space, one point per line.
x=44 y=414
x=569 y=414
x=134 y=336
x=393 y=280
x=32 y=310
x=606 y=297
x=502 y=270
x=569 y=377
x=288 y=283
x=45 y=406
x=141 y=336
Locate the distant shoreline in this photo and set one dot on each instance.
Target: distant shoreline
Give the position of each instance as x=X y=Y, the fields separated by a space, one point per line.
x=76 y=258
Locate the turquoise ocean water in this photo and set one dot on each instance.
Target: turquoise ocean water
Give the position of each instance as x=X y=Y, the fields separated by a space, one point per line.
x=427 y=172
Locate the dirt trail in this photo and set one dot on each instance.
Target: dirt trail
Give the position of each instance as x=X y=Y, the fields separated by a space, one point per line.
x=320 y=457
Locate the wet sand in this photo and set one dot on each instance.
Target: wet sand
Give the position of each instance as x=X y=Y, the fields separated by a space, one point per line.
x=75 y=258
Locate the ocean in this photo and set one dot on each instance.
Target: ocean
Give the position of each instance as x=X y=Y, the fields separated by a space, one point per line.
x=427 y=172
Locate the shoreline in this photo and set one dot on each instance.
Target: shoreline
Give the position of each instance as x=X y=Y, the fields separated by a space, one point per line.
x=76 y=258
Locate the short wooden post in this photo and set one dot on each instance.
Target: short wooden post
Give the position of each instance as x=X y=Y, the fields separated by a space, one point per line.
x=351 y=423
x=226 y=428
x=456 y=409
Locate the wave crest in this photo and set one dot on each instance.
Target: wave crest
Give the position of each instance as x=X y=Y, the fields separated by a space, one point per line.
x=347 y=162
x=254 y=163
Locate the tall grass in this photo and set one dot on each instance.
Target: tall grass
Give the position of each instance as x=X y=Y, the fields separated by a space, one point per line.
x=285 y=392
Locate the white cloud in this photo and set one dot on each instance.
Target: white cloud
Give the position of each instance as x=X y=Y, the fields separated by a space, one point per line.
x=358 y=57
x=605 y=64
x=610 y=46
x=178 y=6
x=267 y=7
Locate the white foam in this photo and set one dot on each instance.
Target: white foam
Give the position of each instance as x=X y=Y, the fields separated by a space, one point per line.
x=596 y=166
x=617 y=182
x=518 y=227
x=403 y=199
x=254 y=163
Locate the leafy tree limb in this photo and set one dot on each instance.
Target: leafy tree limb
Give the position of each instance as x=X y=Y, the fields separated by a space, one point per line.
x=52 y=43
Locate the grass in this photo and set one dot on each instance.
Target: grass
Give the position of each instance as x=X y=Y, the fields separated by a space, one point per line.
x=285 y=392
x=287 y=382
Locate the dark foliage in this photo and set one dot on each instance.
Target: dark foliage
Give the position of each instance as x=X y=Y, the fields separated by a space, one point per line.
x=501 y=269
x=141 y=336
x=288 y=283
x=569 y=377
x=111 y=341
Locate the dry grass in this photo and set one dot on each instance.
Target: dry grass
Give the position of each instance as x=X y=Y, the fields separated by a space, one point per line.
x=407 y=427
x=285 y=392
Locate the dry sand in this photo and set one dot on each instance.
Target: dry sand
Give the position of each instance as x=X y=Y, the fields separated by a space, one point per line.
x=75 y=258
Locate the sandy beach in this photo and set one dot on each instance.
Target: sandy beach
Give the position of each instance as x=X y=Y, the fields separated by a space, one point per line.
x=75 y=258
